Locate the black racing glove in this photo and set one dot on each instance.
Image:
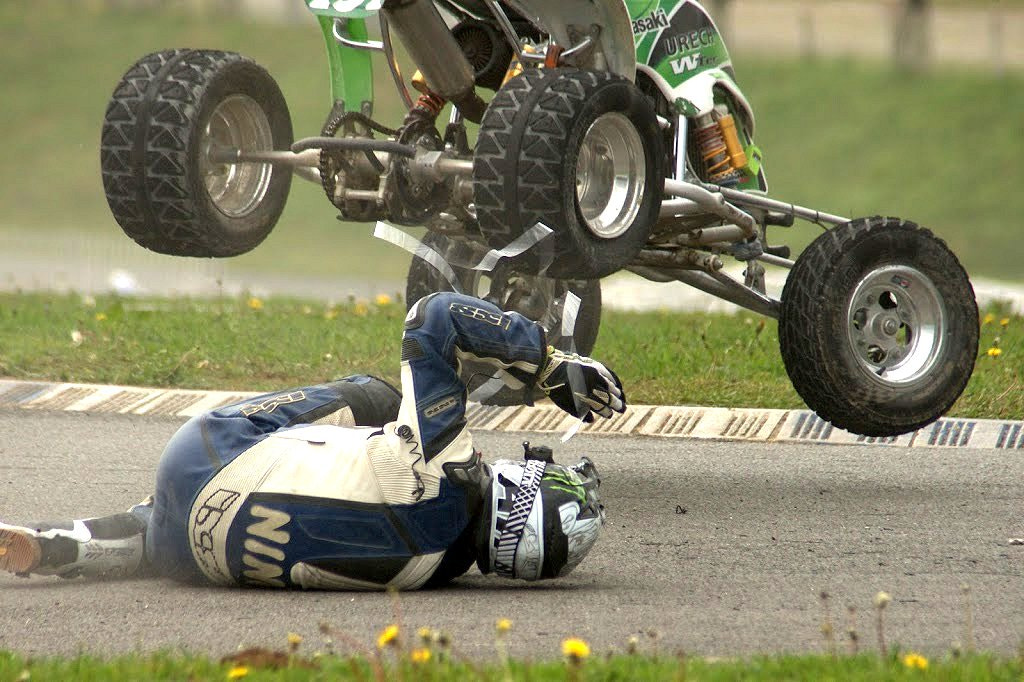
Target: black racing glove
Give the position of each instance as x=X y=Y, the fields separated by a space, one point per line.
x=581 y=386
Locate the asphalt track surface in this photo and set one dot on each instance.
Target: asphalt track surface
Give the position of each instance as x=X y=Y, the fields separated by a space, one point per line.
x=766 y=528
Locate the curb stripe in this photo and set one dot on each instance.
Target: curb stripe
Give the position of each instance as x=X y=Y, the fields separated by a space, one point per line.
x=658 y=421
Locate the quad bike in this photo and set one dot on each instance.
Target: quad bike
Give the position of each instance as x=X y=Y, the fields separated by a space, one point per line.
x=616 y=138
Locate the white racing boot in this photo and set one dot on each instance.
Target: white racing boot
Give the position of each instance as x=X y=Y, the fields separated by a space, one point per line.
x=109 y=546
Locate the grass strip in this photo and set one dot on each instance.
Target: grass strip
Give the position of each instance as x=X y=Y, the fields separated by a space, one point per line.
x=256 y=345
x=439 y=666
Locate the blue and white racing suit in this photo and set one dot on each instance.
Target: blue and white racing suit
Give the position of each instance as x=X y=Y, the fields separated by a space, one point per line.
x=285 y=490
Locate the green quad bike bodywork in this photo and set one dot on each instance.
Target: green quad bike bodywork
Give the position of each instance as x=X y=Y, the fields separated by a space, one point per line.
x=617 y=138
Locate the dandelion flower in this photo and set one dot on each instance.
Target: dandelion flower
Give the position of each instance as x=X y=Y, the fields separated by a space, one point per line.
x=988 y=319
x=382 y=299
x=915 y=660
x=882 y=600
x=387 y=637
x=294 y=640
x=994 y=352
x=425 y=634
x=238 y=672
x=421 y=655
x=360 y=309
x=503 y=625
x=255 y=303
x=575 y=649
x=330 y=313
x=1004 y=323
x=100 y=317
x=632 y=644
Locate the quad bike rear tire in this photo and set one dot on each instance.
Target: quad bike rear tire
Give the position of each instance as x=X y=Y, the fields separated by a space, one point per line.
x=163 y=118
x=579 y=151
x=878 y=327
x=538 y=298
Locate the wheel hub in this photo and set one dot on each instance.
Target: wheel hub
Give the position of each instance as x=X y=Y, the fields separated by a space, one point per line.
x=236 y=189
x=611 y=174
x=896 y=319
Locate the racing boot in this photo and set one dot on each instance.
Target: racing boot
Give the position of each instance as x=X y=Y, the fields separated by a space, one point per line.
x=109 y=546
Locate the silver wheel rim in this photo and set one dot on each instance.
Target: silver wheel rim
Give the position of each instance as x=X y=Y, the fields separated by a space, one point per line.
x=895 y=322
x=611 y=173
x=238 y=122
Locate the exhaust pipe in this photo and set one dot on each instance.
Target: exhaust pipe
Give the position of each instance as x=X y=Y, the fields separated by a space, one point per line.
x=437 y=55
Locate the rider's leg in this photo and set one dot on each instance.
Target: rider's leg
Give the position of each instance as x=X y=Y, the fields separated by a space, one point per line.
x=107 y=546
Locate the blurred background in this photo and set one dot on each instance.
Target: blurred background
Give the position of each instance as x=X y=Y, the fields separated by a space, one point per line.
x=901 y=107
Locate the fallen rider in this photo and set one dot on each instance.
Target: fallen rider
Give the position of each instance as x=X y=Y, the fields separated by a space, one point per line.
x=353 y=485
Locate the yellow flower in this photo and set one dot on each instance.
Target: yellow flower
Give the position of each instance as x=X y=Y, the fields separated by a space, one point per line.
x=382 y=299
x=503 y=625
x=330 y=313
x=294 y=640
x=575 y=649
x=387 y=637
x=238 y=672
x=994 y=352
x=100 y=317
x=632 y=644
x=914 y=660
x=882 y=599
x=360 y=309
x=255 y=303
x=988 y=319
x=1005 y=322
x=420 y=655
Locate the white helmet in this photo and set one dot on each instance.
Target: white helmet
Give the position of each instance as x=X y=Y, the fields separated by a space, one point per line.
x=544 y=518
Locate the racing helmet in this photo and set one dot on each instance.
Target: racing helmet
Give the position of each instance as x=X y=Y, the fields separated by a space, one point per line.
x=543 y=518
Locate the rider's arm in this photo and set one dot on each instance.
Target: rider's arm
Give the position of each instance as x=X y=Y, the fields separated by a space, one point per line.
x=443 y=330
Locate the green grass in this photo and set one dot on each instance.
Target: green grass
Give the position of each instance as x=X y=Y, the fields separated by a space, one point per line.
x=662 y=358
x=857 y=138
x=165 y=666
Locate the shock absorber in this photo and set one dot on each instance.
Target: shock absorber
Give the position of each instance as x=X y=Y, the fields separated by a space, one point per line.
x=718 y=163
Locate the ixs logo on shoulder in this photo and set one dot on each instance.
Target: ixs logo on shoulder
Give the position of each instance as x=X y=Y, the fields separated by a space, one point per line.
x=652 y=22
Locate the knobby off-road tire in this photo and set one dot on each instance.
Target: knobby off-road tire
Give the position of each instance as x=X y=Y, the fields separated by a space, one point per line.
x=537 y=128
x=879 y=327
x=162 y=119
x=538 y=298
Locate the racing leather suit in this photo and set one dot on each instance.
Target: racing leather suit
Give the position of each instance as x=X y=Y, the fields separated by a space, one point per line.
x=285 y=490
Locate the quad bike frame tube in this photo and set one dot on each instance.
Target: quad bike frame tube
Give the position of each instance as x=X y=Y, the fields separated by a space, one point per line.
x=716 y=204
x=722 y=286
x=755 y=201
x=419 y=26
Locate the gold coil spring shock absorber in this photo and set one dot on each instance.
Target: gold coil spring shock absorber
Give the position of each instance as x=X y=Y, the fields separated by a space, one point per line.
x=429 y=103
x=714 y=153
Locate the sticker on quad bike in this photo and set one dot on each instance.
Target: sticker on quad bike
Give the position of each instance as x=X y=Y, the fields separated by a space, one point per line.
x=677 y=39
x=353 y=9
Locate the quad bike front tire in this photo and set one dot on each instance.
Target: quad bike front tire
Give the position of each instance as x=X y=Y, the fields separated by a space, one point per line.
x=878 y=327
x=579 y=151
x=541 y=299
x=168 y=113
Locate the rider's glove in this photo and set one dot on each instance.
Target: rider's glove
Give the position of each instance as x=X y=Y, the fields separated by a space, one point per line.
x=581 y=386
